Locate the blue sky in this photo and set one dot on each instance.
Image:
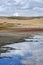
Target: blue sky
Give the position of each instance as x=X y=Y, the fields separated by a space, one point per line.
x=21 y=7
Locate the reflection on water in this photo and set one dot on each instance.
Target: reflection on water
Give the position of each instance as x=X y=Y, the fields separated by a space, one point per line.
x=29 y=52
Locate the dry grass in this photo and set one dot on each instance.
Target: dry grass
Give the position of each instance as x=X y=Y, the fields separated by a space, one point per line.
x=29 y=22
x=10 y=23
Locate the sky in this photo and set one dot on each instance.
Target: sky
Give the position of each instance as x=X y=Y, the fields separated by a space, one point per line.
x=21 y=7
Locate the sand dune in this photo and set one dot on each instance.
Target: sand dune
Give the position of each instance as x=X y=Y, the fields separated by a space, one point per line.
x=23 y=22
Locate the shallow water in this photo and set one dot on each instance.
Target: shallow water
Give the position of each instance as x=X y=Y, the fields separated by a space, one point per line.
x=29 y=52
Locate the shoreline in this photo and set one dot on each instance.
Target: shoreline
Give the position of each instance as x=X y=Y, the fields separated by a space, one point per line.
x=23 y=30
x=11 y=36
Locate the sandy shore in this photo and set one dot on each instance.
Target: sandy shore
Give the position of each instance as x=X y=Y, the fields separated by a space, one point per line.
x=12 y=37
x=8 y=37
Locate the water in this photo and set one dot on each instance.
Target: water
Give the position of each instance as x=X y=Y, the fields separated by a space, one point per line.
x=29 y=52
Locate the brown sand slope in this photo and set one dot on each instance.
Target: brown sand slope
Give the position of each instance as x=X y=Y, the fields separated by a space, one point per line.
x=22 y=24
x=30 y=22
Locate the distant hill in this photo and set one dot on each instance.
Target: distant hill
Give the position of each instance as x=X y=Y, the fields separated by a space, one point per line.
x=20 y=17
x=21 y=22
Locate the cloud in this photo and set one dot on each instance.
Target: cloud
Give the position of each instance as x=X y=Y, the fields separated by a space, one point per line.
x=18 y=1
x=39 y=1
x=16 y=14
x=2 y=9
x=22 y=7
x=38 y=8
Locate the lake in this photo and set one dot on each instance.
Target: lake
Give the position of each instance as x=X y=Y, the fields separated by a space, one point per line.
x=29 y=52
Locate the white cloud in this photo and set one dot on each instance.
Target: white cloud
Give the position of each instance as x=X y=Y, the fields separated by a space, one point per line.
x=23 y=3
x=38 y=8
x=26 y=6
x=8 y=3
x=2 y=9
x=21 y=7
x=4 y=1
x=39 y=1
x=18 y=1
x=15 y=14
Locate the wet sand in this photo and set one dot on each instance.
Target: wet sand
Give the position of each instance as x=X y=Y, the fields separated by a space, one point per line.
x=8 y=38
x=15 y=37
